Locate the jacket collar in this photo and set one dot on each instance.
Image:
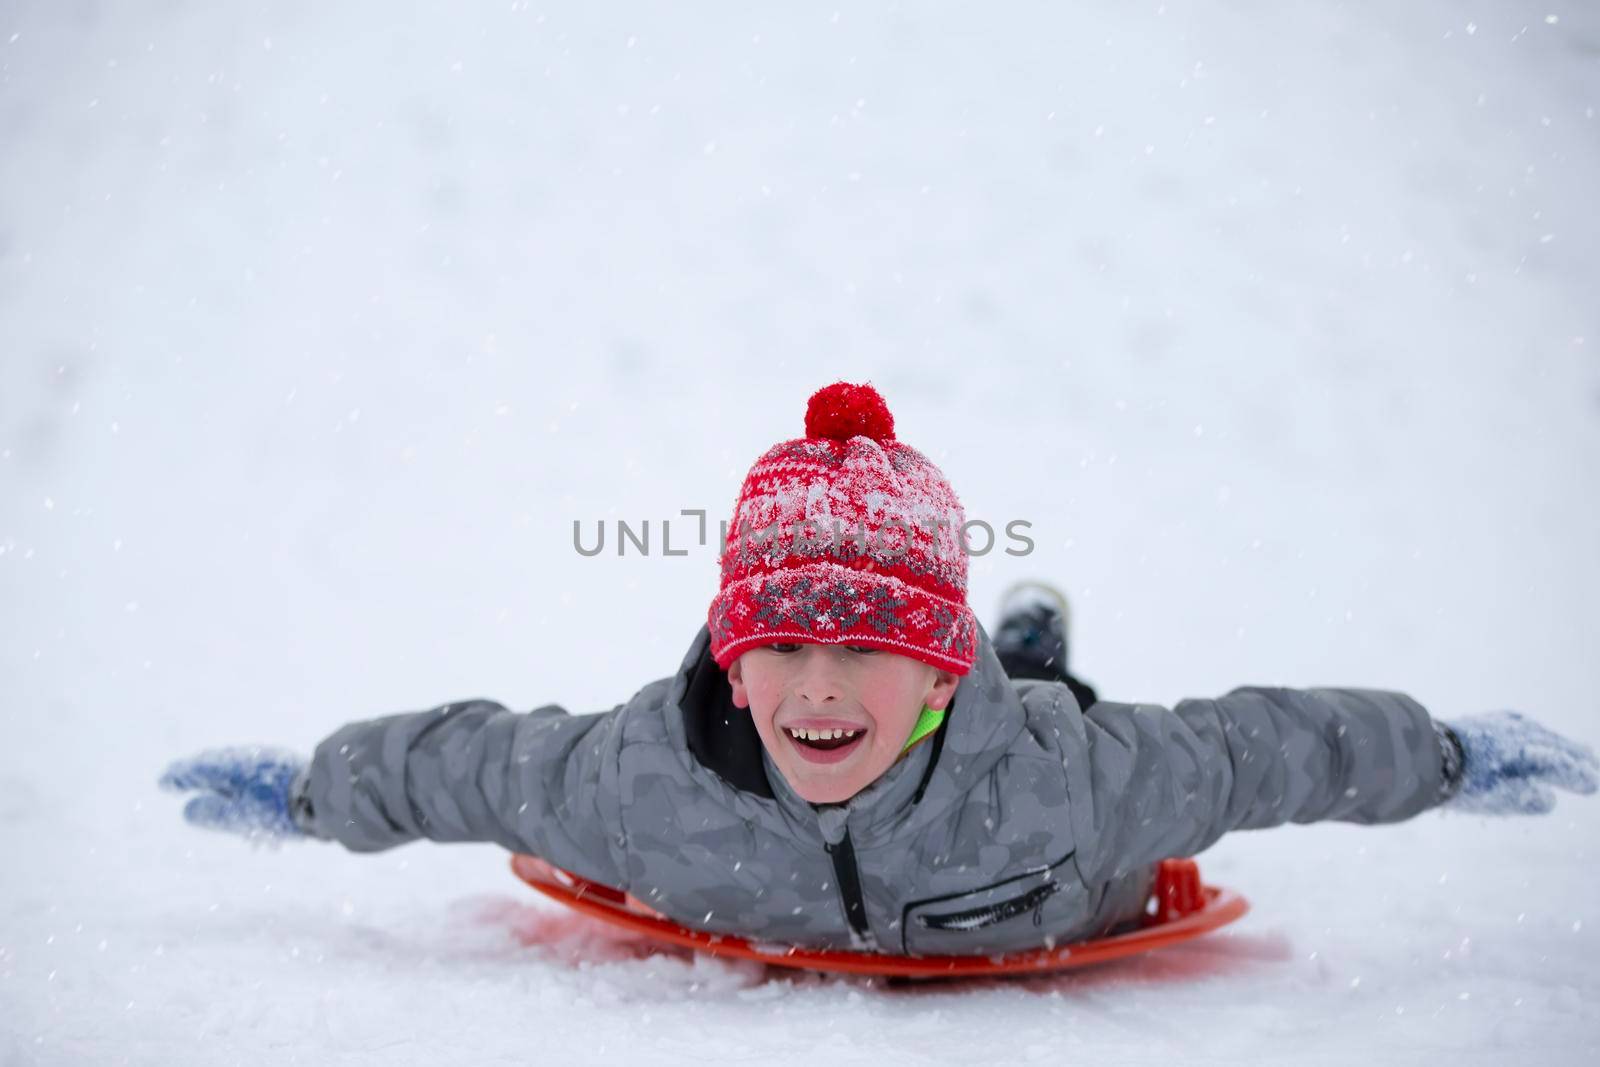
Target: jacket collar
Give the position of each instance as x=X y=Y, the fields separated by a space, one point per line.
x=985 y=717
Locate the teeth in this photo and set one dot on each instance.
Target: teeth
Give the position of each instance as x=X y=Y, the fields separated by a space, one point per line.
x=821 y=735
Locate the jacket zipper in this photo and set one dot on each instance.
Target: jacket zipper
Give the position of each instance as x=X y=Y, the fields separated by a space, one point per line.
x=848 y=876
x=976 y=918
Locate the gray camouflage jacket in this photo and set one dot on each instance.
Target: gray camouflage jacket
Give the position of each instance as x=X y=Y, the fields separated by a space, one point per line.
x=1023 y=821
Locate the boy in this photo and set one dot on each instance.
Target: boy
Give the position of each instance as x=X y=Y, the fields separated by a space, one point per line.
x=842 y=761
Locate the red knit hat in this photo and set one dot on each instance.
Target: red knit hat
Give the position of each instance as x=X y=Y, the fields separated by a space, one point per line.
x=846 y=536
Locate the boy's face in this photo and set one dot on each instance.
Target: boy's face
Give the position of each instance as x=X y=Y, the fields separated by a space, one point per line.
x=874 y=696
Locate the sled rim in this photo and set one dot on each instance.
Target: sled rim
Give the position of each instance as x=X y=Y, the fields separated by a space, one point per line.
x=1218 y=907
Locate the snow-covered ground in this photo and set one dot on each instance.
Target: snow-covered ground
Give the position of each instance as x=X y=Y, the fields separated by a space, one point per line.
x=320 y=324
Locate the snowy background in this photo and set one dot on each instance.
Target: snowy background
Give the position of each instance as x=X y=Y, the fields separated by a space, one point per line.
x=318 y=328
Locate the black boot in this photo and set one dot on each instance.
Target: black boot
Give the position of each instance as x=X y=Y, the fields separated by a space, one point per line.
x=1031 y=638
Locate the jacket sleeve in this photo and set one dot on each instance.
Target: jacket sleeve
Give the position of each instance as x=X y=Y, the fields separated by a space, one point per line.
x=1147 y=783
x=542 y=782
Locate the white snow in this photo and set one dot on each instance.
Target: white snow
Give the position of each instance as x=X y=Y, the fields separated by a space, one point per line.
x=320 y=325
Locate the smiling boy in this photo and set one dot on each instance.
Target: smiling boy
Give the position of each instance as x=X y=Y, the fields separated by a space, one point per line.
x=835 y=717
x=843 y=761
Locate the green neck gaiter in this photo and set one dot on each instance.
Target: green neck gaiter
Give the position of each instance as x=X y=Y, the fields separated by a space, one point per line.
x=927 y=723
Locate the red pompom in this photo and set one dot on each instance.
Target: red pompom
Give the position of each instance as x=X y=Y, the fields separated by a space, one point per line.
x=842 y=411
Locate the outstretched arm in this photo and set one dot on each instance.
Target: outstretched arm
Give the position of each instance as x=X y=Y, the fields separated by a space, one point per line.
x=1147 y=783
x=542 y=782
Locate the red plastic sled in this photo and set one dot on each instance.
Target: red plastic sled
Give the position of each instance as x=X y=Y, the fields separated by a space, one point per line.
x=1182 y=909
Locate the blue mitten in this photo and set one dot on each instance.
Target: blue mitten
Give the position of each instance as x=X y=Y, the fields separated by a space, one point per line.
x=1509 y=763
x=246 y=789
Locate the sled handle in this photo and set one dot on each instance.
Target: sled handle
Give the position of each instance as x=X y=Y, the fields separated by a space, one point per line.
x=1177 y=892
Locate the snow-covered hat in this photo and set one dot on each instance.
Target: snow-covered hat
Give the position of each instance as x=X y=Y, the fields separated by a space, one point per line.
x=846 y=536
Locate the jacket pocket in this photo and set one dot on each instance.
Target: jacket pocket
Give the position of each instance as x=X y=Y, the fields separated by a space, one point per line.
x=1020 y=912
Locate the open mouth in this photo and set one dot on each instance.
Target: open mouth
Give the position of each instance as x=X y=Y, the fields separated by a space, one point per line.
x=825 y=746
